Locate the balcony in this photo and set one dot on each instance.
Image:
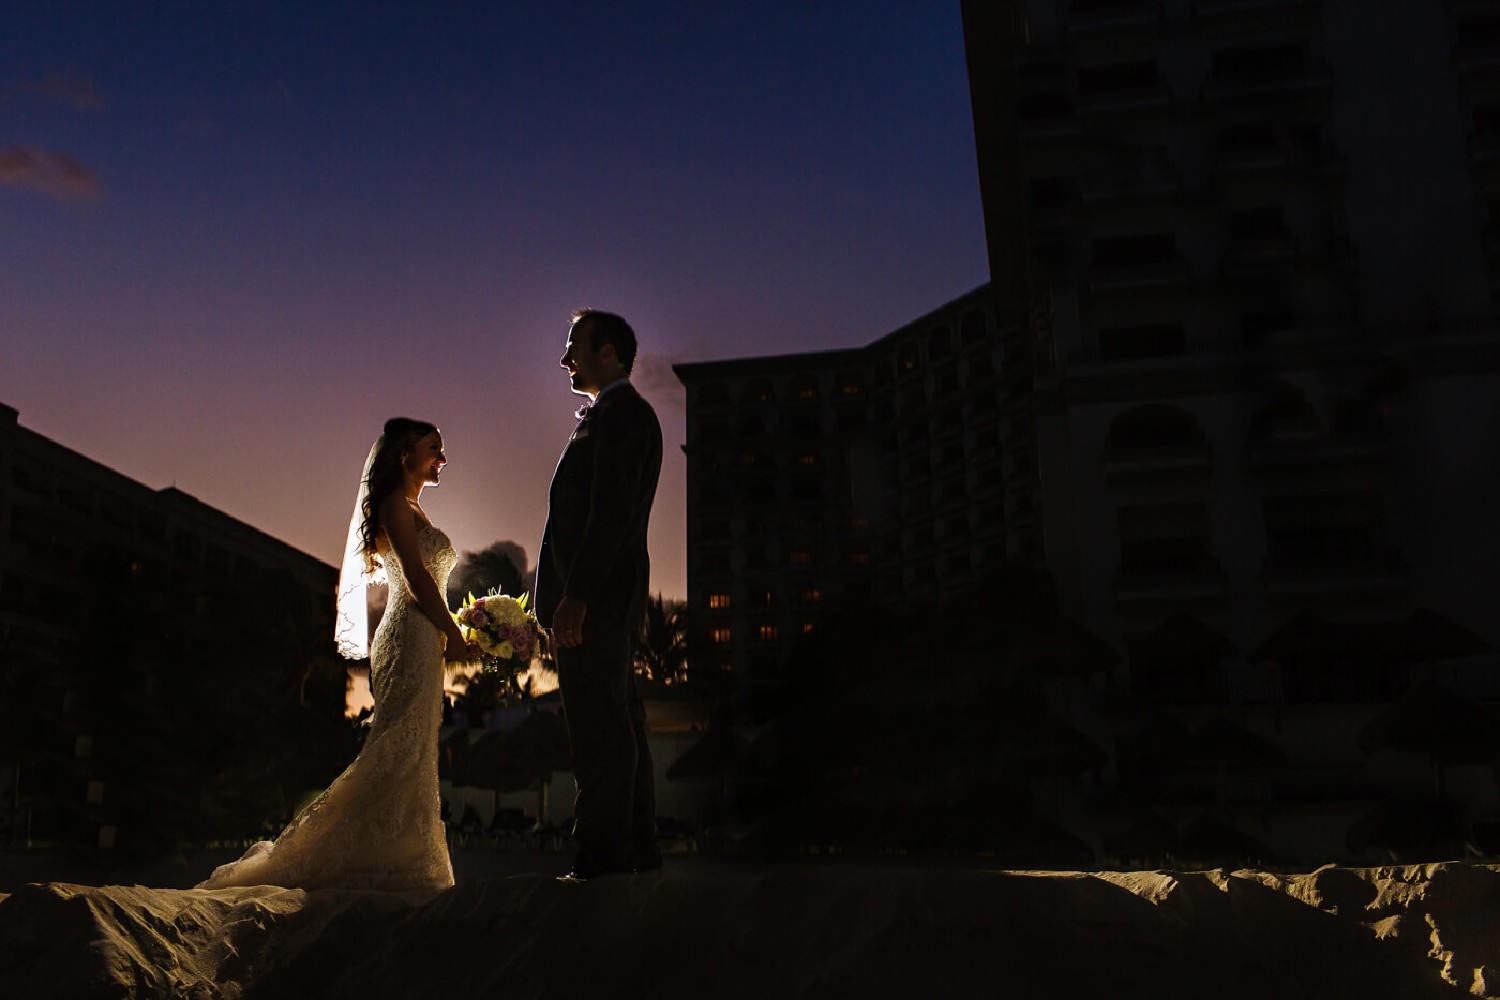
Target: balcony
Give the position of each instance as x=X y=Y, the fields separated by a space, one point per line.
x=1377 y=571
x=1099 y=17
x=1252 y=257
x=1150 y=98
x=1162 y=462
x=1291 y=453
x=1227 y=9
x=1275 y=79
x=1477 y=56
x=1197 y=583
x=1148 y=276
x=1047 y=116
x=1281 y=157
x=1484 y=148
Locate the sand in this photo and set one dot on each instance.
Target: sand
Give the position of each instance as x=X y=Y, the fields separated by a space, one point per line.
x=703 y=930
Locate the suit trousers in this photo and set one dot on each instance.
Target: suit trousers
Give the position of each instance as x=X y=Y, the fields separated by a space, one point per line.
x=614 y=814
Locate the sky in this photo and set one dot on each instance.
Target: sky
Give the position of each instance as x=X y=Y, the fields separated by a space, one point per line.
x=236 y=237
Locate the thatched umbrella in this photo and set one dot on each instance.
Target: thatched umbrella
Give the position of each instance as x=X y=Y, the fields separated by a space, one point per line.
x=1211 y=840
x=452 y=751
x=1064 y=648
x=710 y=757
x=1180 y=657
x=1413 y=828
x=1052 y=747
x=1435 y=720
x=540 y=744
x=1425 y=635
x=1038 y=842
x=1182 y=638
x=1305 y=636
x=1225 y=744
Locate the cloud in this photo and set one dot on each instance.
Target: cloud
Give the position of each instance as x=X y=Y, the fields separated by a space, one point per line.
x=75 y=90
x=653 y=375
x=51 y=172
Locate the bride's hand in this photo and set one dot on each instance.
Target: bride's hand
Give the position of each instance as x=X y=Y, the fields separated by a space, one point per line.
x=459 y=651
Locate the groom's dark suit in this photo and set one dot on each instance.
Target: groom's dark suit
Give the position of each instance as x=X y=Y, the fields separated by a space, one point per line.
x=594 y=550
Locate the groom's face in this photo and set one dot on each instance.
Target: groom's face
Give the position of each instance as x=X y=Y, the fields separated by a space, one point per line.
x=587 y=369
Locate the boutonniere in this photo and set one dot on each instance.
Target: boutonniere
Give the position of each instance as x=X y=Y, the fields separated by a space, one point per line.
x=583 y=411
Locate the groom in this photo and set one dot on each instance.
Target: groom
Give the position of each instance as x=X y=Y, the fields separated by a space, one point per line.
x=591 y=593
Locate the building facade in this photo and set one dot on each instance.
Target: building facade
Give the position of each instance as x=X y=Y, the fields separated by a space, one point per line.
x=114 y=598
x=871 y=475
x=1249 y=247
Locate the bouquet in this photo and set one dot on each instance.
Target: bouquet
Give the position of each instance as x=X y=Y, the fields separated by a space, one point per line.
x=503 y=629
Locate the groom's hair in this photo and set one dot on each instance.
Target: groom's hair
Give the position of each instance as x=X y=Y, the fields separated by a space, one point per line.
x=608 y=328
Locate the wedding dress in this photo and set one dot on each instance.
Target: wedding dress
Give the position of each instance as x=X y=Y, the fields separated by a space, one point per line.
x=378 y=825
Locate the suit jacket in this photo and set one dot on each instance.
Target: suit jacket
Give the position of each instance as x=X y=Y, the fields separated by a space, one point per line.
x=594 y=544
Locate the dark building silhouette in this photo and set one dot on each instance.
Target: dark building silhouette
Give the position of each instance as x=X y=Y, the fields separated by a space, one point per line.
x=871 y=475
x=1249 y=243
x=1236 y=393
x=135 y=624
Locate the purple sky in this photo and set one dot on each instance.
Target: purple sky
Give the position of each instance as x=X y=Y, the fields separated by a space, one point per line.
x=235 y=237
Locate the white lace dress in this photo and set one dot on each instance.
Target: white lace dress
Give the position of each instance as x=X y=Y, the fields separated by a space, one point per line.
x=377 y=826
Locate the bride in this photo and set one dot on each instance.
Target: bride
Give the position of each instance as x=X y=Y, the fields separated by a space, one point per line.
x=377 y=826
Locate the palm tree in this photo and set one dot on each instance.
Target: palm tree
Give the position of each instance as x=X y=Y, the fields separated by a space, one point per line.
x=500 y=566
x=661 y=654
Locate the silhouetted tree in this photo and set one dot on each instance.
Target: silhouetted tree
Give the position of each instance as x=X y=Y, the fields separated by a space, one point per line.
x=661 y=652
x=500 y=565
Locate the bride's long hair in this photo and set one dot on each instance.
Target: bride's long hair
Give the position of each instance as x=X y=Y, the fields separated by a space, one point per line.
x=386 y=475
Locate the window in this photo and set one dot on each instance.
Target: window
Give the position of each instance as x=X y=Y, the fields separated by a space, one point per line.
x=721 y=635
x=858 y=557
x=807 y=458
x=938 y=343
x=1155 y=427
x=713 y=394
x=1259 y=62
x=799 y=557
x=1148 y=340
x=974 y=329
x=1121 y=76
x=718 y=601
x=850 y=383
x=805 y=387
x=767 y=633
x=1341 y=531
x=1125 y=251
x=1163 y=539
x=757 y=390
x=906 y=359
x=761 y=597
x=812 y=595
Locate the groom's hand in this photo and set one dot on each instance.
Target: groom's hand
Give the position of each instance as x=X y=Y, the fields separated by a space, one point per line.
x=567 y=622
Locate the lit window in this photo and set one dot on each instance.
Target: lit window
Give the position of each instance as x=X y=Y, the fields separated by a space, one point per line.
x=767 y=633
x=807 y=627
x=807 y=458
x=718 y=600
x=720 y=635
x=812 y=596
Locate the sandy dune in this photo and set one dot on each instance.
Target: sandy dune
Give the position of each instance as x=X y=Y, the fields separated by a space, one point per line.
x=785 y=931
